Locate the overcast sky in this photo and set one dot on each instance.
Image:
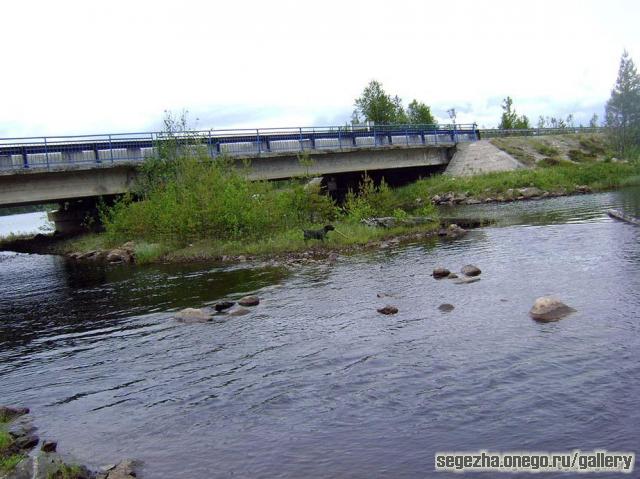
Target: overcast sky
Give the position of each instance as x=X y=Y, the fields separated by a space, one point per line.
x=90 y=67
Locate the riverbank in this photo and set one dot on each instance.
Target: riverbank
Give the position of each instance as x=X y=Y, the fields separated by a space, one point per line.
x=120 y=244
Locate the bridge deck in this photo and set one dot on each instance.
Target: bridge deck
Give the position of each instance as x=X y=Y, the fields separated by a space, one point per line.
x=52 y=153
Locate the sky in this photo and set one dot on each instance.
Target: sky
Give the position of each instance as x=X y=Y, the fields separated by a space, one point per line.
x=81 y=67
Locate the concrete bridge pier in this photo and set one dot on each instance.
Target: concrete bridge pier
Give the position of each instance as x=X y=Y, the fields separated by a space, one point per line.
x=76 y=217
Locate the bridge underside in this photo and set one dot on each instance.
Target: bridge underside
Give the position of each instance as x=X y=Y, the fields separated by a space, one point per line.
x=37 y=186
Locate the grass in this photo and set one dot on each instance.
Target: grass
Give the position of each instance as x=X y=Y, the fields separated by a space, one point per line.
x=67 y=471
x=598 y=176
x=8 y=458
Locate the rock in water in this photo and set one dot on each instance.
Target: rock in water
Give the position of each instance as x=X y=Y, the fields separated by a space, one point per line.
x=470 y=270
x=193 y=315
x=388 y=310
x=249 y=301
x=548 y=308
x=239 y=311
x=223 y=305
x=446 y=307
x=49 y=446
x=440 y=273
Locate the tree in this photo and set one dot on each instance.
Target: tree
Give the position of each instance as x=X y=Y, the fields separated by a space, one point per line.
x=593 y=122
x=510 y=119
x=419 y=114
x=375 y=105
x=623 y=108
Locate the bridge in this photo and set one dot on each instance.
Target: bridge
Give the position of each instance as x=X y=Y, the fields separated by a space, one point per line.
x=65 y=168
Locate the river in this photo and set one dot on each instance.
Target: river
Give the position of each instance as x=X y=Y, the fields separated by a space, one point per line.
x=314 y=382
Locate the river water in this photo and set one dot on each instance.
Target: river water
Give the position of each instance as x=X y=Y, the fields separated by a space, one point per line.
x=314 y=382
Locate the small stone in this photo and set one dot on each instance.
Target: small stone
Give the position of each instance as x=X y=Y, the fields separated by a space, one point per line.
x=470 y=270
x=440 y=273
x=446 y=307
x=249 y=301
x=49 y=446
x=472 y=201
x=242 y=258
x=548 y=308
x=223 y=305
x=239 y=311
x=452 y=276
x=193 y=315
x=388 y=310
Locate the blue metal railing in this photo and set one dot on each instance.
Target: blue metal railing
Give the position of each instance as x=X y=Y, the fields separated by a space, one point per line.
x=61 y=151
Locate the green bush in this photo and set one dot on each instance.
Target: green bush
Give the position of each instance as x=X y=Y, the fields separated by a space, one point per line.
x=197 y=198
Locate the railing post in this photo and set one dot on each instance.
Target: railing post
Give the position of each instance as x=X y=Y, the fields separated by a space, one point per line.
x=209 y=147
x=111 y=149
x=422 y=136
x=375 y=140
x=46 y=152
x=301 y=144
x=258 y=140
x=25 y=160
x=340 y=137
x=96 y=154
x=406 y=134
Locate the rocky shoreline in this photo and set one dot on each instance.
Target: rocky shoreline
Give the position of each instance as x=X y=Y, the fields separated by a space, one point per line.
x=39 y=459
x=512 y=194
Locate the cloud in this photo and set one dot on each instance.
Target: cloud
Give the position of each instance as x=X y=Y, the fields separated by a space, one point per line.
x=86 y=67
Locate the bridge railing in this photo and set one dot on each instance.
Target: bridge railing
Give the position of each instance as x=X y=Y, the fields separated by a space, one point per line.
x=498 y=132
x=62 y=151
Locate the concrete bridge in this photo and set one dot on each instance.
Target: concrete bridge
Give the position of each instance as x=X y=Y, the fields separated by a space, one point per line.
x=59 y=169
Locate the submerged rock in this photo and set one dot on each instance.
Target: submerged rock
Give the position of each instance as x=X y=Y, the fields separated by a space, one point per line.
x=549 y=308
x=452 y=276
x=470 y=270
x=388 y=310
x=249 y=301
x=240 y=311
x=193 y=315
x=466 y=280
x=446 y=307
x=440 y=273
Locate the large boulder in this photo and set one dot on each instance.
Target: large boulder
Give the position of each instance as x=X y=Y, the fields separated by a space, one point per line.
x=470 y=270
x=193 y=315
x=549 y=308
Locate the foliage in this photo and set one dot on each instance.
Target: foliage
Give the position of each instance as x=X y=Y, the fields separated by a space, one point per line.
x=377 y=106
x=510 y=119
x=205 y=198
x=67 y=471
x=419 y=113
x=623 y=107
x=370 y=200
